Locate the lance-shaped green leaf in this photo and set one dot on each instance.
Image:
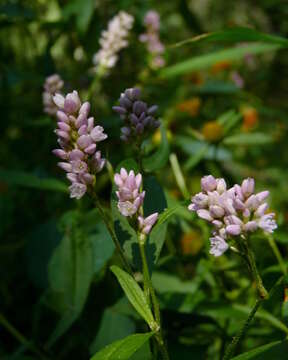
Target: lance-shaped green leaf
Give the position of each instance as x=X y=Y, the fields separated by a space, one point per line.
x=135 y=295
x=160 y=157
x=234 y=35
x=205 y=61
x=248 y=139
x=71 y=270
x=122 y=349
x=114 y=326
x=274 y=350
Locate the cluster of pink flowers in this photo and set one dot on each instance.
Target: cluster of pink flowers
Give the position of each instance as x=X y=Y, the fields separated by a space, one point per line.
x=233 y=212
x=151 y=38
x=130 y=199
x=53 y=84
x=113 y=40
x=78 y=138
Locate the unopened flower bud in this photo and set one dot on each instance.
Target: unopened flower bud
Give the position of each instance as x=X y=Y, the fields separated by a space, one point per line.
x=248 y=186
x=204 y=214
x=216 y=211
x=221 y=186
x=233 y=229
x=208 y=183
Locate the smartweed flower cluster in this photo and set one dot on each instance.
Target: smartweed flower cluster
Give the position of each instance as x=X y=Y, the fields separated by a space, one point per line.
x=113 y=40
x=152 y=40
x=53 y=84
x=78 y=137
x=233 y=212
x=139 y=118
x=130 y=199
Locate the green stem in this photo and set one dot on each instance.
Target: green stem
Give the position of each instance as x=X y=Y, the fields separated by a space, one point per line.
x=21 y=338
x=232 y=346
x=139 y=156
x=147 y=280
x=111 y=231
x=263 y=294
x=179 y=175
x=277 y=254
x=150 y=290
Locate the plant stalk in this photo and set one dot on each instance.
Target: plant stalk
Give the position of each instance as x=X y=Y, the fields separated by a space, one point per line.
x=262 y=292
x=111 y=231
x=150 y=290
x=262 y=295
x=232 y=346
x=277 y=254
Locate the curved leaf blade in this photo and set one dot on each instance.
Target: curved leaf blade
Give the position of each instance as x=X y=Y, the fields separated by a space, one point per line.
x=236 y=34
x=207 y=60
x=248 y=139
x=122 y=349
x=274 y=350
x=134 y=294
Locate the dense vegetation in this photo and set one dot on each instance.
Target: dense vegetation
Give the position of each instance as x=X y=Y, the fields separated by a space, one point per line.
x=217 y=71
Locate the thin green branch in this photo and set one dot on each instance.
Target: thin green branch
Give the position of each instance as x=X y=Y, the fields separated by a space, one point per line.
x=232 y=346
x=277 y=254
x=111 y=231
x=262 y=292
x=149 y=286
